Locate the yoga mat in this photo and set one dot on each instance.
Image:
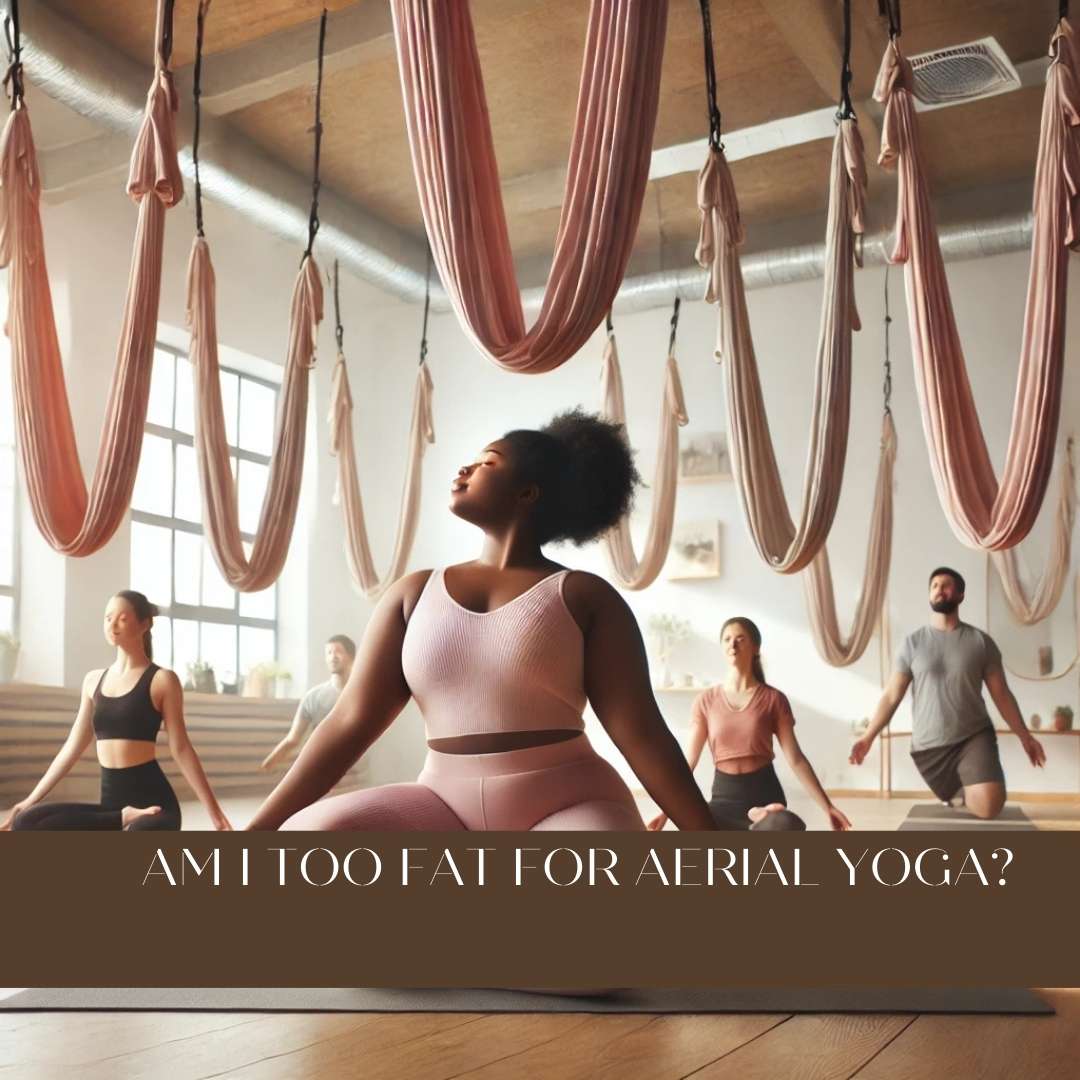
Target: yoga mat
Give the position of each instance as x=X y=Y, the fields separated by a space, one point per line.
x=933 y=817
x=329 y=999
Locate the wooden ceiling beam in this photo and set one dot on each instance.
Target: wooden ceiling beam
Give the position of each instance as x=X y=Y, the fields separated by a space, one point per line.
x=814 y=31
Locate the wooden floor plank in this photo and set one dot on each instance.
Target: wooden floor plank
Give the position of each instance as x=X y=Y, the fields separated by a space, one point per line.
x=810 y=1048
x=1024 y=1047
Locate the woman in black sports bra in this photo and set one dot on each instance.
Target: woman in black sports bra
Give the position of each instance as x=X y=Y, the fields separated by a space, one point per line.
x=124 y=715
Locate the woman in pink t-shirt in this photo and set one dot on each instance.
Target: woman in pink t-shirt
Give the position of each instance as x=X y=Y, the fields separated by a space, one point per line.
x=738 y=719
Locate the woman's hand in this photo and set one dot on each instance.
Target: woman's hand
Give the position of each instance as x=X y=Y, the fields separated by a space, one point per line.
x=838 y=820
x=220 y=822
x=1034 y=750
x=657 y=823
x=8 y=822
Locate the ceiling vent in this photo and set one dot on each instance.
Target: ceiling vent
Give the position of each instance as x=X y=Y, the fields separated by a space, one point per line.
x=963 y=73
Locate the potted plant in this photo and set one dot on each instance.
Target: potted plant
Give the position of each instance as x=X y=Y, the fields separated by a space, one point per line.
x=667 y=631
x=282 y=681
x=9 y=656
x=201 y=678
x=1063 y=718
x=259 y=680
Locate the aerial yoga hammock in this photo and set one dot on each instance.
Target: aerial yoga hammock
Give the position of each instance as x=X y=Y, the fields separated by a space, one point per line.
x=784 y=546
x=75 y=521
x=835 y=649
x=421 y=433
x=628 y=570
x=278 y=514
x=983 y=513
x=457 y=176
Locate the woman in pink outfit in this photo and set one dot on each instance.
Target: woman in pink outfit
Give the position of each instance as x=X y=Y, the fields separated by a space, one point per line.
x=502 y=654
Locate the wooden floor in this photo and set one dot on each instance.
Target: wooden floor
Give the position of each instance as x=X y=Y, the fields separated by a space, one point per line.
x=418 y=1046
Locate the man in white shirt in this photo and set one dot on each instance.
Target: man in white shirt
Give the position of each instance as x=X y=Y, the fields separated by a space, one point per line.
x=319 y=700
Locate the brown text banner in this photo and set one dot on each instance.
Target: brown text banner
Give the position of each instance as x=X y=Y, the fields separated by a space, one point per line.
x=538 y=909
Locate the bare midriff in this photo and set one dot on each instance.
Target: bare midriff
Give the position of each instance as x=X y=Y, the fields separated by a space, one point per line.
x=498 y=742
x=739 y=765
x=124 y=753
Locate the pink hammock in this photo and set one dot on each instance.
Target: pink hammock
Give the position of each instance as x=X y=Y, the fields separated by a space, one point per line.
x=832 y=646
x=982 y=513
x=73 y=520
x=783 y=545
x=421 y=434
x=278 y=514
x=457 y=176
x=629 y=571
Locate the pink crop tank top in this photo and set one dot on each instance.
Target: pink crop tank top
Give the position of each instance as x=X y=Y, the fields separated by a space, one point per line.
x=745 y=732
x=519 y=667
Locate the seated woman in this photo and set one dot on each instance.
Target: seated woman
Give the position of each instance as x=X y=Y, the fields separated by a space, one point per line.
x=738 y=720
x=123 y=707
x=501 y=655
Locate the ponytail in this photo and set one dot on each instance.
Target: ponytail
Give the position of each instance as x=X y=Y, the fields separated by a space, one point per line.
x=755 y=636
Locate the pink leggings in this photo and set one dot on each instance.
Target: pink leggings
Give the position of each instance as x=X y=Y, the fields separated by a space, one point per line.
x=564 y=785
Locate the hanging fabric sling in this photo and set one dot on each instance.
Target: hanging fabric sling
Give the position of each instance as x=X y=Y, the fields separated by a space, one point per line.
x=457 y=176
x=630 y=572
x=1028 y=610
x=421 y=434
x=73 y=520
x=220 y=512
x=983 y=513
x=833 y=648
x=785 y=546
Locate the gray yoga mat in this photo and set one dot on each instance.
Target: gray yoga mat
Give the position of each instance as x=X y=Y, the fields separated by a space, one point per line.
x=330 y=999
x=932 y=817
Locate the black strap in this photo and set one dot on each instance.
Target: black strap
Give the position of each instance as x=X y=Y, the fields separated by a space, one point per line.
x=339 y=330
x=200 y=25
x=166 y=43
x=886 y=388
x=710 y=78
x=427 y=308
x=313 y=219
x=609 y=326
x=13 y=79
x=674 y=326
x=846 y=110
x=1063 y=10
x=891 y=10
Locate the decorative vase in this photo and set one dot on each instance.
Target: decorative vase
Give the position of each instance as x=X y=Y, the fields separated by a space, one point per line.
x=1035 y=723
x=1063 y=718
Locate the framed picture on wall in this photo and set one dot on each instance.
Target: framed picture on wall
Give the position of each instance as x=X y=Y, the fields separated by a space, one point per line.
x=704 y=458
x=695 y=551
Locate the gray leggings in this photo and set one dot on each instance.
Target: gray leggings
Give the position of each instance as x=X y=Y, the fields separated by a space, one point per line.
x=733 y=794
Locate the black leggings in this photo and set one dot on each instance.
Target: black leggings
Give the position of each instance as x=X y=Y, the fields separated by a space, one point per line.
x=140 y=786
x=733 y=794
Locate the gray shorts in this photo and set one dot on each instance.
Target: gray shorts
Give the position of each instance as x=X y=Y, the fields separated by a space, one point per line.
x=974 y=760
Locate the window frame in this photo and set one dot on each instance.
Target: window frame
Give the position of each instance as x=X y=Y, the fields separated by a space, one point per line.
x=200 y=613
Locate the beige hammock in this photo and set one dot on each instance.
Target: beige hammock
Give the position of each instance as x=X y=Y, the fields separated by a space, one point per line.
x=982 y=512
x=73 y=520
x=785 y=547
x=1028 y=610
x=629 y=571
x=818 y=583
x=421 y=433
x=278 y=514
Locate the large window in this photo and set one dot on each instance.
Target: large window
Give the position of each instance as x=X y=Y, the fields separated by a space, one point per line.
x=204 y=619
x=9 y=595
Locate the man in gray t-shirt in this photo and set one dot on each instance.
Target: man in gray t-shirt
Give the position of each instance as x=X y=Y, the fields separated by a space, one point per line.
x=319 y=700
x=953 y=742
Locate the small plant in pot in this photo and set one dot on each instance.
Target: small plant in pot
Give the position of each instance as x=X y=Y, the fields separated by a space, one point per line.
x=667 y=631
x=200 y=678
x=1063 y=718
x=9 y=656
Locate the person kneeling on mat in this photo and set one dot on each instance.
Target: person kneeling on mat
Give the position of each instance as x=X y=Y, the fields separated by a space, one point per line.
x=738 y=720
x=953 y=742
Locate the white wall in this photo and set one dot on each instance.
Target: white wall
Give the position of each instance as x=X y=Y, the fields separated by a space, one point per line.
x=88 y=249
